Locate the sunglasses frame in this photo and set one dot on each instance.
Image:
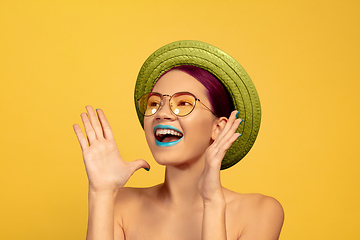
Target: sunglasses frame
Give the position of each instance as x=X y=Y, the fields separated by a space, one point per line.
x=170 y=97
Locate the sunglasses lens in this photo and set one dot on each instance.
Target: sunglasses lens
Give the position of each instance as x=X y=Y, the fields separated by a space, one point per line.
x=149 y=103
x=182 y=103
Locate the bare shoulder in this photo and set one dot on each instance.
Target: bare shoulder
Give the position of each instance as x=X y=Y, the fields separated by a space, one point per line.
x=128 y=199
x=128 y=194
x=252 y=200
x=131 y=194
x=262 y=204
x=261 y=216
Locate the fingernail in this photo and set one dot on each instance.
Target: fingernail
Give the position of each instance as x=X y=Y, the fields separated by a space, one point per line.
x=147 y=169
x=237 y=114
x=239 y=135
x=241 y=121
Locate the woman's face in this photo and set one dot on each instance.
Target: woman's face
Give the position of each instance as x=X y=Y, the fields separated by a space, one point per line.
x=191 y=134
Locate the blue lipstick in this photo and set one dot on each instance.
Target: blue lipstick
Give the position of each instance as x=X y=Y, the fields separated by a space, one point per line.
x=166 y=144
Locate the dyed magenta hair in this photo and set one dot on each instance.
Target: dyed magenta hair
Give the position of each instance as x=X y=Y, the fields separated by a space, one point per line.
x=219 y=98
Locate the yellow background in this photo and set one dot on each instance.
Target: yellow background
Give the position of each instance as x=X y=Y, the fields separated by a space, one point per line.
x=58 y=56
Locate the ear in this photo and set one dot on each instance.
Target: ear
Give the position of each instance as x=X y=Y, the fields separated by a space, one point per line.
x=219 y=124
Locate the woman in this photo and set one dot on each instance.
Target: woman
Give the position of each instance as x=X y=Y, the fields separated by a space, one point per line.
x=190 y=137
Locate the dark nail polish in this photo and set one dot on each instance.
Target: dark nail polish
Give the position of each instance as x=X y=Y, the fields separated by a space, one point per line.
x=147 y=169
x=237 y=114
x=239 y=135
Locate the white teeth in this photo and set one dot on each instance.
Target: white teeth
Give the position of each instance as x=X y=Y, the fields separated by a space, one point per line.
x=167 y=131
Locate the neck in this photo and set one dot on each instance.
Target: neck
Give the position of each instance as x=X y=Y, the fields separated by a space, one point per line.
x=180 y=187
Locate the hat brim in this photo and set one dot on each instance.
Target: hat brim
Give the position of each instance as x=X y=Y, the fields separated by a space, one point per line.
x=225 y=68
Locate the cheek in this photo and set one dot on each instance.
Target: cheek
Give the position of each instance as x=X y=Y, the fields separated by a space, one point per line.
x=148 y=131
x=199 y=132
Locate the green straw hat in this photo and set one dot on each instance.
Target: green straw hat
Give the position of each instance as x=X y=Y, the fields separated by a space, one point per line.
x=225 y=68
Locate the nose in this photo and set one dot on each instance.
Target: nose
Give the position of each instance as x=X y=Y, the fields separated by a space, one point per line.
x=165 y=112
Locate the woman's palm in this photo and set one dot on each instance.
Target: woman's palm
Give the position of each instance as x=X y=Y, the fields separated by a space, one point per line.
x=105 y=168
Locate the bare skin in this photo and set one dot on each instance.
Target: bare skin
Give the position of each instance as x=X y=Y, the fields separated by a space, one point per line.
x=149 y=216
x=191 y=203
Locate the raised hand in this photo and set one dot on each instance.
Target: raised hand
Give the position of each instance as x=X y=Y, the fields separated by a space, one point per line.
x=209 y=183
x=105 y=168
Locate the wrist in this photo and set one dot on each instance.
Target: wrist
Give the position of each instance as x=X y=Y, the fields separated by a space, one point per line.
x=214 y=198
x=216 y=201
x=97 y=193
x=214 y=215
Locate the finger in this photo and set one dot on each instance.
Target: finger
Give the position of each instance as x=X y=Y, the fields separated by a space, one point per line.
x=137 y=164
x=230 y=127
x=94 y=122
x=90 y=133
x=105 y=124
x=227 y=144
x=80 y=136
x=217 y=153
x=230 y=132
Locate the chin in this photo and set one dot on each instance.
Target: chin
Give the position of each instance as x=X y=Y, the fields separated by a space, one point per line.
x=166 y=156
x=177 y=157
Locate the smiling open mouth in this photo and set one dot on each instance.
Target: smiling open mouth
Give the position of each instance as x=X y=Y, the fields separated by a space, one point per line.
x=166 y=135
